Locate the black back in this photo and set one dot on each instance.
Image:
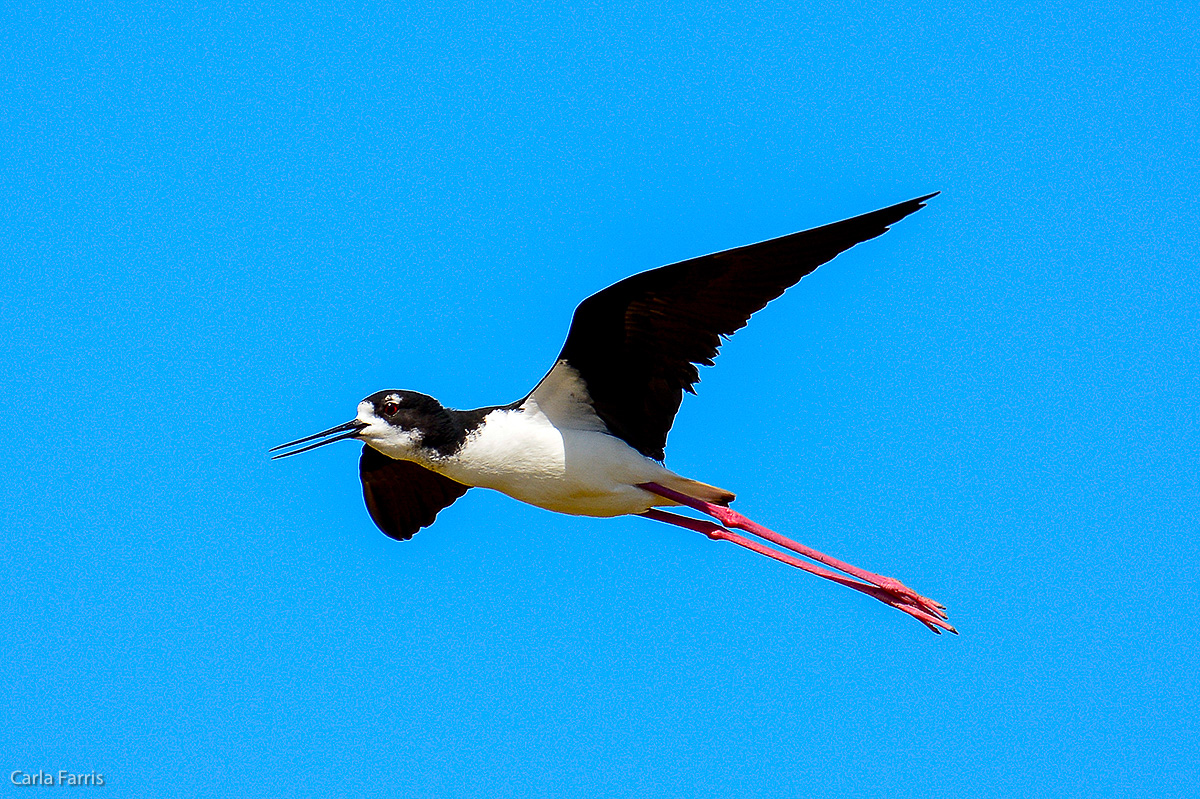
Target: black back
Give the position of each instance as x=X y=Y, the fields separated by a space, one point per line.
x=637 y=343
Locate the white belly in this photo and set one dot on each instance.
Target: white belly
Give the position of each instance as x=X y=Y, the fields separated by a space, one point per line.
x=582 y=472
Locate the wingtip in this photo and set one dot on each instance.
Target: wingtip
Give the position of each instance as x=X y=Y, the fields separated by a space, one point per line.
x=886 y=217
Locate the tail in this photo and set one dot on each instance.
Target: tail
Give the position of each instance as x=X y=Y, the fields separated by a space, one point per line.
x=694 y=488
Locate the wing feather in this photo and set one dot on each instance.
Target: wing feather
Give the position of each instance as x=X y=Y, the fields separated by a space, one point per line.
x=637 y=343
x=402 y=496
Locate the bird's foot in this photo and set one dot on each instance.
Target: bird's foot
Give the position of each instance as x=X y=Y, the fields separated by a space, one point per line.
x=908 y=596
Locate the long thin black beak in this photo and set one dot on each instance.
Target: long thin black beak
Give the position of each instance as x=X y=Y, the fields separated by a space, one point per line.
x=348 y=430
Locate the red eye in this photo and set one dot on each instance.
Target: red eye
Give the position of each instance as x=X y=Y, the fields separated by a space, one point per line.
x=390 y=408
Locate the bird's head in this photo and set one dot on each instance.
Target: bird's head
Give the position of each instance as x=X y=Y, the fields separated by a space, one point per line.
x=397 y=423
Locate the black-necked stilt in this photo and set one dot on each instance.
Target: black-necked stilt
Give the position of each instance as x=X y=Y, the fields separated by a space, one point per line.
x=588 y=440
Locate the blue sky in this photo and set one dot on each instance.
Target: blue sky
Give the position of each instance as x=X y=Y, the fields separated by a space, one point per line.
x=223 y=226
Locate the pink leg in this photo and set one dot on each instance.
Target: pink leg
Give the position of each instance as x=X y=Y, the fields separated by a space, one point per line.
x=898 y=595
x=718 y=533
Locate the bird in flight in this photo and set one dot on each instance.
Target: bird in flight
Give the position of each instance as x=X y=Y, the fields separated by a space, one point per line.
x=589 y=439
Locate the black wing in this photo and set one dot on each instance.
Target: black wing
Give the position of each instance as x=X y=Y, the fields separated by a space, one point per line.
x=402 y=496
x=636 y=343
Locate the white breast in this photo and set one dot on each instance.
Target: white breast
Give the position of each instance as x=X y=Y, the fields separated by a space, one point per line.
x=555 y=453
